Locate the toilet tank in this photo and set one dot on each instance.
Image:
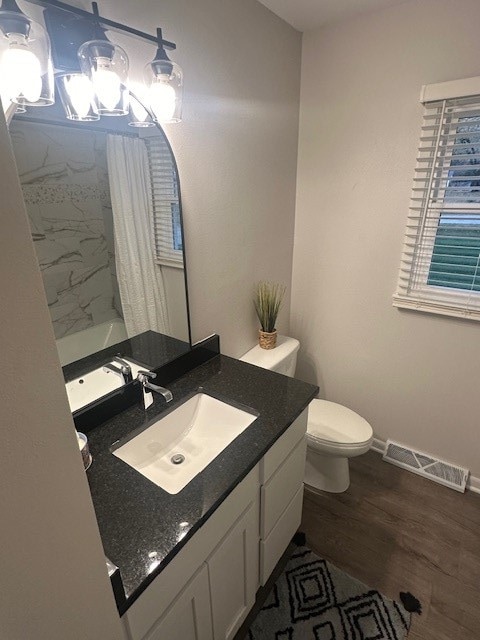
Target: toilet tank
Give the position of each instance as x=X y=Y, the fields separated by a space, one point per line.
x=282 y=359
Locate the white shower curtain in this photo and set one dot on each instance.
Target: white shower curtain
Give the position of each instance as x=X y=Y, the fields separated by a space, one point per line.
x=140 y=280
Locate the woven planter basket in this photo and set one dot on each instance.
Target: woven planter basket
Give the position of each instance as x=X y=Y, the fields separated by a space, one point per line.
x=267 y=340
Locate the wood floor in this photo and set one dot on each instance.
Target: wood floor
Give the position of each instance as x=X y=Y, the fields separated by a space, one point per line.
x=396 y=531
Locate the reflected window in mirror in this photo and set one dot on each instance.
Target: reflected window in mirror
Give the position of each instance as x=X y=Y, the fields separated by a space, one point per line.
x=167 y=228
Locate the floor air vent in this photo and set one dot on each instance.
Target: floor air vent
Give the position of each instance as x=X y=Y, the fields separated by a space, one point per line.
x=426 y=466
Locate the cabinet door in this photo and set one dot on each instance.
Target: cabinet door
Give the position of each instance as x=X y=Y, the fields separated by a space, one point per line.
x=233 y=570
x=189 y=617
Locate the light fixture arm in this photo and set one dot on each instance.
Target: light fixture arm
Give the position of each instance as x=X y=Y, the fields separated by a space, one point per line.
x=99 y=32
x=161 y=53
x=104 y=47
x=104 y=22
x=161 y=64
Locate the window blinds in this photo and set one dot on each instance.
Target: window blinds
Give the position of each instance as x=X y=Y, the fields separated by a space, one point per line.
x=440 y=267
x=167 y=234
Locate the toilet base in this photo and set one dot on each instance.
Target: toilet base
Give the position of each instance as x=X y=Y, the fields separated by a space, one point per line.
x=326 y=472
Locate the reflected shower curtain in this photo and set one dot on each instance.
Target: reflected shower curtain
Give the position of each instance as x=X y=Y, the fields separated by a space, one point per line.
x=140 y=280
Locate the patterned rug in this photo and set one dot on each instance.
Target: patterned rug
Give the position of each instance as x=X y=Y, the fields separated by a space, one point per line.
x=313 y=600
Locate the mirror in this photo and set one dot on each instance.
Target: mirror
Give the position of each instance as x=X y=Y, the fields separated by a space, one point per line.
x=105 y=212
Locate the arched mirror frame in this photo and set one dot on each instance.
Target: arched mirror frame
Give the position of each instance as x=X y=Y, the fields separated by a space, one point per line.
x=172 y=351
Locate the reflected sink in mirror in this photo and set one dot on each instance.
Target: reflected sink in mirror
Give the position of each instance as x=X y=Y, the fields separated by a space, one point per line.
x=96 y=384
x=174 y=449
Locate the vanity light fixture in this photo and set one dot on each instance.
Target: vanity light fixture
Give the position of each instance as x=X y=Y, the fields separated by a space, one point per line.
x=164 y=80
x=139 y=115
x=26 y=70
x=91 y=71
x=78 y=97
x=106 y=64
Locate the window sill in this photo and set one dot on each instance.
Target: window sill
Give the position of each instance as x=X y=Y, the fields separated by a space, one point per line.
x=402 y=302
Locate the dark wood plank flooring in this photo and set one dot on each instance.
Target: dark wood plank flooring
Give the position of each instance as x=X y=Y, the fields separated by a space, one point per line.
x=396 y=531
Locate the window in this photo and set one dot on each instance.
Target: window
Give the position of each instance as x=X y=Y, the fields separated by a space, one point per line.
x=167 y=227
x=440 y=270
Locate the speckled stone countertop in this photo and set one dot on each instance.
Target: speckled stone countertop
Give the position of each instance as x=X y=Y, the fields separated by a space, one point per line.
x=141 y=525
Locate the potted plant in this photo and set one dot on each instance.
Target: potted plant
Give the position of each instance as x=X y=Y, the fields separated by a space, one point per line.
x=268 y=300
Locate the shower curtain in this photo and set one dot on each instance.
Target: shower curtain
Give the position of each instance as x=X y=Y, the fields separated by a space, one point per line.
x=140 y=280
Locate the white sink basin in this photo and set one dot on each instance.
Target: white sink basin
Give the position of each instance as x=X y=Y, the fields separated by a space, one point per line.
x=193 y=435
x=95 y=384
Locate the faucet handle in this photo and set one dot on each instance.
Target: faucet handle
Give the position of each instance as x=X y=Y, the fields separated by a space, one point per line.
x=145 y=375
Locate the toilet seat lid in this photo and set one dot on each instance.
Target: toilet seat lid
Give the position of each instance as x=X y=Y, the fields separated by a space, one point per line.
x=333 y=422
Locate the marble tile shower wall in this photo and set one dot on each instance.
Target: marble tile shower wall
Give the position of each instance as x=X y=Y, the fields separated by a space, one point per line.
x=64 y=177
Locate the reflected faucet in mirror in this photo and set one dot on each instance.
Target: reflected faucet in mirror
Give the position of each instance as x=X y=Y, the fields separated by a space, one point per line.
x=120 y=368
x=101 y=381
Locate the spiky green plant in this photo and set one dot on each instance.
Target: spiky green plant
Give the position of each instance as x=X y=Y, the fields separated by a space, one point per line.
x=268 y=300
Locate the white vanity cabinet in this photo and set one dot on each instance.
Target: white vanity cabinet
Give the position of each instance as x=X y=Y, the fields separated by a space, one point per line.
x=217 y=599
x=208 y=588
x=211 y=583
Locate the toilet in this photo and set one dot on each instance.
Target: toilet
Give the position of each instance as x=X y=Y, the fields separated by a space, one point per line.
x=334 y=433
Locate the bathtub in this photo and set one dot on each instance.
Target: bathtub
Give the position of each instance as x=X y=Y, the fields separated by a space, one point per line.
x=88 y=341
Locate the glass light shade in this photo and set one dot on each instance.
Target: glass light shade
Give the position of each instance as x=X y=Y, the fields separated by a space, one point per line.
x=78 y=97
x=26 y=71
x=106 y=65
x=164 y=80
x=138 y=97
x=6 y=103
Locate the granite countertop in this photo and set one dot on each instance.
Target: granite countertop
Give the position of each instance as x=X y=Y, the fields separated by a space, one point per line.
x=142 y=526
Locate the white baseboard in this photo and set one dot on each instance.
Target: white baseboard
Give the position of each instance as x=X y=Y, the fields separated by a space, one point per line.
x=378 y=446
x=473 y=483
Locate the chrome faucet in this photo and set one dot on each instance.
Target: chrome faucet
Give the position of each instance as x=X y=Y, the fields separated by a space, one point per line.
x=123 y=370
x=144 y=378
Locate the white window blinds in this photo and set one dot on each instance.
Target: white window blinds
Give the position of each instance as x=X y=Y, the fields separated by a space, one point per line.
x=440 y=268
x=167 y=230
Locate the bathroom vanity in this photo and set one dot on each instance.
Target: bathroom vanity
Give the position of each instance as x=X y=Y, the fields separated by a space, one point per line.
x=192 y=562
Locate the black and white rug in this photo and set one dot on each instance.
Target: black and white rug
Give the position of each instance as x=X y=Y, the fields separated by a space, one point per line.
x=313 y=600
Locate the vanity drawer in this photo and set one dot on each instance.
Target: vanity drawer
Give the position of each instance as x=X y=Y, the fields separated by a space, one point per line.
x=282 y=487
x=273 y=547
x=284 y=445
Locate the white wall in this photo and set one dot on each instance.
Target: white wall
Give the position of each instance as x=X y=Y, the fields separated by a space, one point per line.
x=413 y=376
x=54 y=583
x=236 y=150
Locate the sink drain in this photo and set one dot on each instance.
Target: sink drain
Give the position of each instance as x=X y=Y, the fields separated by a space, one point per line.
x=178 y=458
